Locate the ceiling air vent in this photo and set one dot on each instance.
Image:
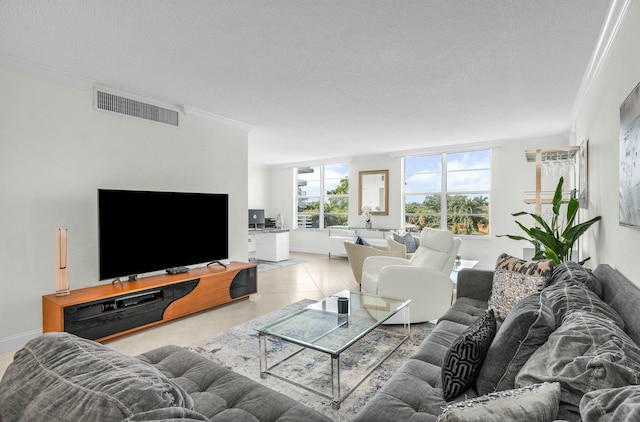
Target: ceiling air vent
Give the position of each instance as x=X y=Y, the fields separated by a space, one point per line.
x=122 y=105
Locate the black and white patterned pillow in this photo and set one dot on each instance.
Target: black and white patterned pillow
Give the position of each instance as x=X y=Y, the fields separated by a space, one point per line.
x=361 y=241
x=463 y=360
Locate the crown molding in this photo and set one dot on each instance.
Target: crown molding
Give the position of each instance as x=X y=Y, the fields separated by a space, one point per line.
x=337 y=160
x=608 y=32
x=554 y=139
x=192 y=111
x=37 y=70
x=440 y=149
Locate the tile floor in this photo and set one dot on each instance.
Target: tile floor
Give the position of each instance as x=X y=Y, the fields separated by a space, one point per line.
x=319 y=277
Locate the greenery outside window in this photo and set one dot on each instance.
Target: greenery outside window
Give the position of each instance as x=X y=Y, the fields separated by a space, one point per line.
x=322 y=196
x=448 y=191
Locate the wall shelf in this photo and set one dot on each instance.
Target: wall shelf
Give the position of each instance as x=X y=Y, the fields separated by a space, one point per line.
x=547 y=157
x=567 y=153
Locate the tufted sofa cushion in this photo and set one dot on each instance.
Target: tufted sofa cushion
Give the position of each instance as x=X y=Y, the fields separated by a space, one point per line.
x=414 y=392
x=525 y=329
x=573 y=272
x=61 y=377
x=588 y=352
x=566 y=297
x=223 y=395
x=611 y=404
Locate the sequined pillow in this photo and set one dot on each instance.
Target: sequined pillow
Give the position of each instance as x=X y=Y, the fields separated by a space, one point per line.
x=533 y=403
x=514 y=279
x=464 y=358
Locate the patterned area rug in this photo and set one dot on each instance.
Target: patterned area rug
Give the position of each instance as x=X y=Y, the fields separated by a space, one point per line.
x=237 y=349
x=268 y=265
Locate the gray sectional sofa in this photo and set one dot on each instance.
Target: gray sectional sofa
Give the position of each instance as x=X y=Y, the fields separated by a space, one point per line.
x=61 y=377
x=579 y=335
x=569 y=351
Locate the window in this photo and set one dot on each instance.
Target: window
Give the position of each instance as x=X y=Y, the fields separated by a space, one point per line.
x=449 y=192
x=323 y=196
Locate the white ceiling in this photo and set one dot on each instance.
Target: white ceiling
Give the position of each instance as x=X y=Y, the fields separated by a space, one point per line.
x=320 y=80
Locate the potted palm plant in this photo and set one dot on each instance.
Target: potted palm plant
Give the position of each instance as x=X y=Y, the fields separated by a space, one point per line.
x=555 y=240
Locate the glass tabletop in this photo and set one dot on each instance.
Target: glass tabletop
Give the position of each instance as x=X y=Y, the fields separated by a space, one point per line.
x=319 y=326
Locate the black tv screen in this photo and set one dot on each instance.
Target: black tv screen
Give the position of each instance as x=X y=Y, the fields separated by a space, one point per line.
x=144 y=231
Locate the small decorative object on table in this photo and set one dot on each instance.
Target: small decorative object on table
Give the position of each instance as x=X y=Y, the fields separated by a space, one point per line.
x=366 y=217
x=343 y=311
x=62 y=267
x=343 y=305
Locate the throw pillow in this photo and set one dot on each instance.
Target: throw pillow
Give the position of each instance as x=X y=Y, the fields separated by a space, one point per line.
x=524 y=330
x=571 y=296
x=572 y=271
x=407 y=240
x=464 y=358
x=361 y=241
x=514 y=279
x=587 y=352
x=168 y=414
x=611 y=404
x=534 y=403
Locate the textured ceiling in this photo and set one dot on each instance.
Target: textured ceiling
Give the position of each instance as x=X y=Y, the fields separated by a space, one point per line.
x=320 y=80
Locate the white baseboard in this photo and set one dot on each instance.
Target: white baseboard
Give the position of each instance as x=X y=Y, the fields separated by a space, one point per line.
x=15 y=342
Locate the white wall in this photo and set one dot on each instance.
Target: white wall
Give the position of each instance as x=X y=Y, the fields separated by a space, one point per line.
x=56 y=151
x=279 y=201
x=258 y=188
x=394 y=165
x=262 y=195
x=511 y=177
x=599 y=121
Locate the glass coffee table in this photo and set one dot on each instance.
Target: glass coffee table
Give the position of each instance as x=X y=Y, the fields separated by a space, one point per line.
x=322 y=328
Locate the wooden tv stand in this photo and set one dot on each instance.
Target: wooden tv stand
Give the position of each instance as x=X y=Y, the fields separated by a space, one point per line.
x=111 y=310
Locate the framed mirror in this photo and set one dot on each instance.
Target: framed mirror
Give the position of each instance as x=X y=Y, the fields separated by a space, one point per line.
x=373 y=192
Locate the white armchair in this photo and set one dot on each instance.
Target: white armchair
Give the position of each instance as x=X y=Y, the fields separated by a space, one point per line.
x=425 y=278
x=358 y=253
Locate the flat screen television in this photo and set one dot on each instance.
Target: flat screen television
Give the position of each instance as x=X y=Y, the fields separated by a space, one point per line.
x=143 y=231
x=256 y=219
